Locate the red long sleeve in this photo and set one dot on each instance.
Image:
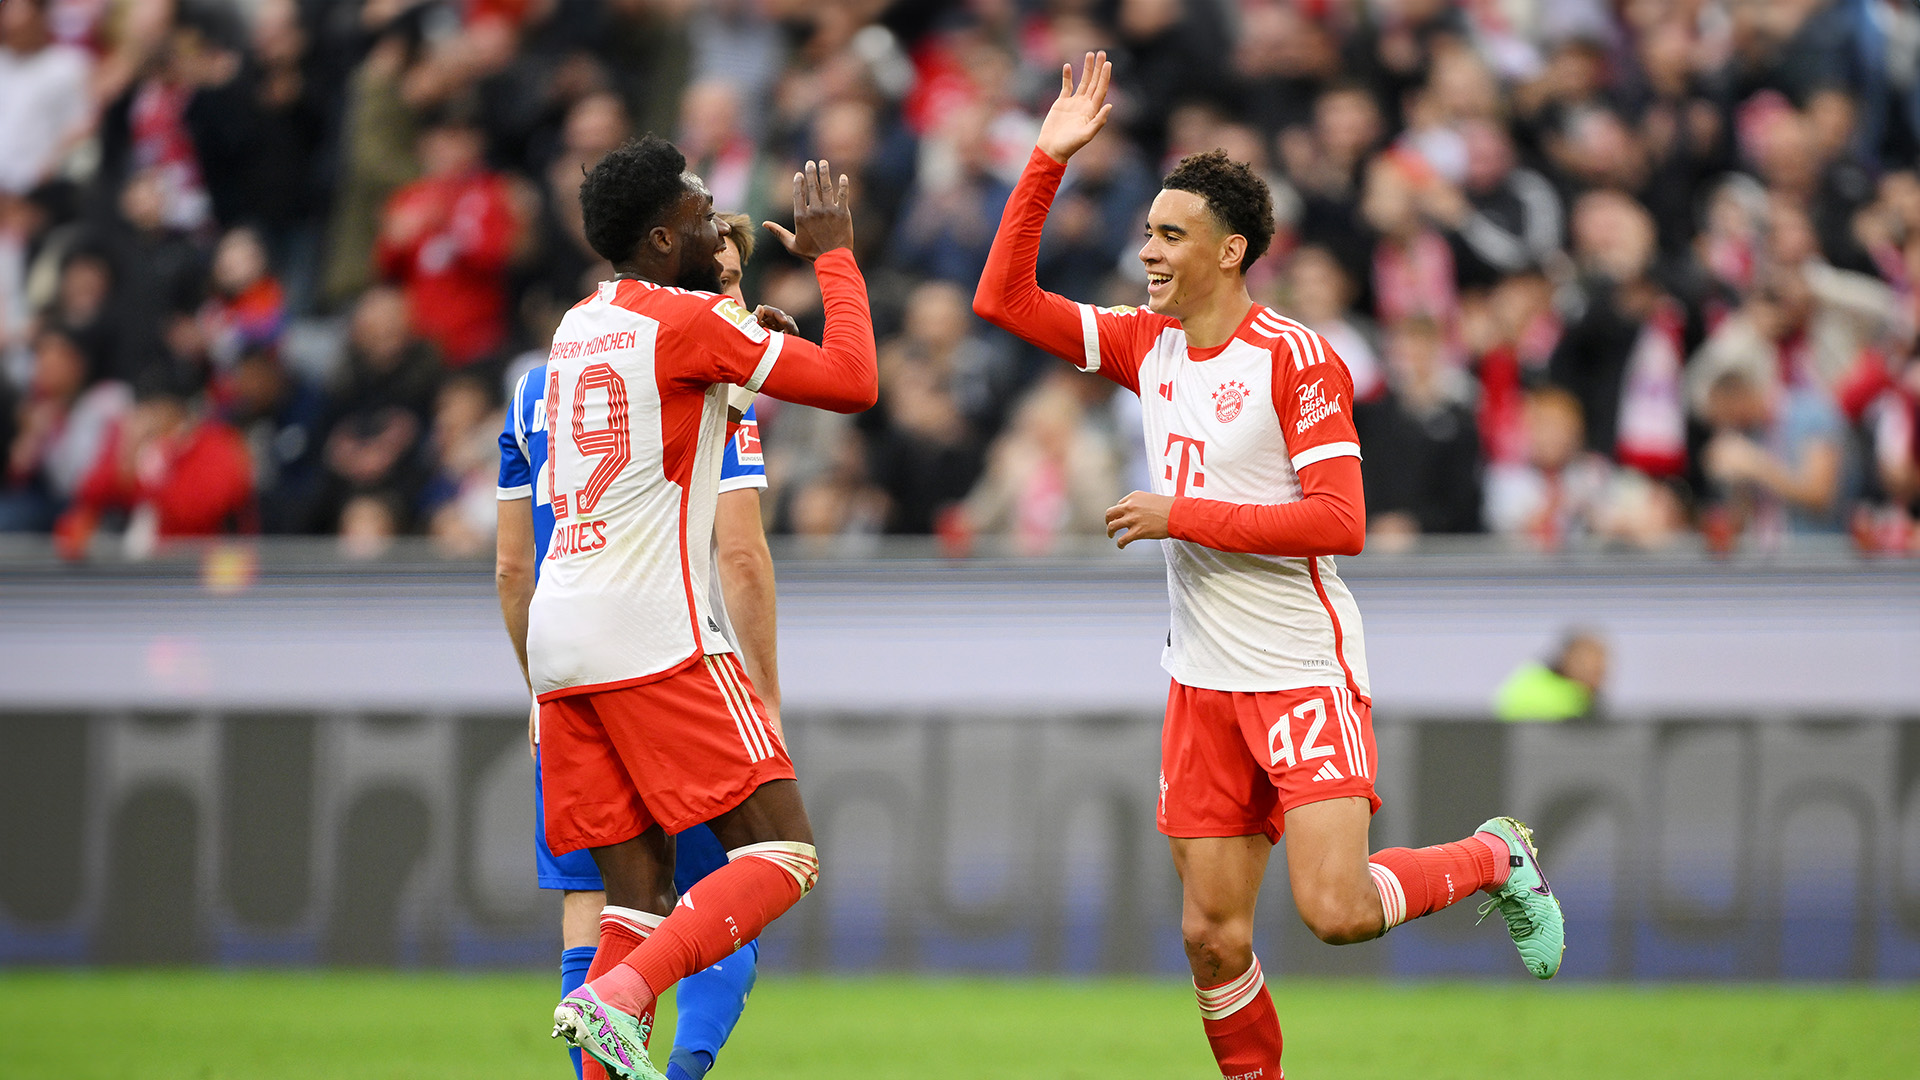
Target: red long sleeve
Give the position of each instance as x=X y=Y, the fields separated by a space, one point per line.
x=842 y=373
x=1329 y=519
x=1009 y=295
x=1107 y=341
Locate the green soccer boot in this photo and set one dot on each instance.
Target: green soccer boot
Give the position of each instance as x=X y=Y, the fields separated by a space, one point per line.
x=614 y=1038
x=1526 y=901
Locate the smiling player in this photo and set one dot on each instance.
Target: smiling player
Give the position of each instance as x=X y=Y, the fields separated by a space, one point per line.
x=1269 y=724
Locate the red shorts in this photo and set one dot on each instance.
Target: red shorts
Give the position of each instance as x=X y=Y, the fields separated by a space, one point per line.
x=672 y=753
x=1233 y=764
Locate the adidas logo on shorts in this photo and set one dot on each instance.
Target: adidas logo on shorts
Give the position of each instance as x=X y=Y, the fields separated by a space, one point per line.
x=1328 y=772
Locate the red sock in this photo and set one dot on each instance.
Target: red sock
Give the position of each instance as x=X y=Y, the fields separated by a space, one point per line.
x=1420 y=882
x=621 y=931
x=1242 y=1027
x=727 y=909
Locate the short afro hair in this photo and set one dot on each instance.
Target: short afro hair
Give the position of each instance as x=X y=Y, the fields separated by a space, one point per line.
x=1235 y=194
x=632 y=190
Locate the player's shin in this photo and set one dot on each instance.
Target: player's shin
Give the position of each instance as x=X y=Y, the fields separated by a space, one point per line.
x=727 y=909
x=622 y=930
x=1241 y=1026
x=1420 y=881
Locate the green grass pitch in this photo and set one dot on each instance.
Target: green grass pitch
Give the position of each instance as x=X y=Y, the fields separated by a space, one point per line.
x=370 y=1026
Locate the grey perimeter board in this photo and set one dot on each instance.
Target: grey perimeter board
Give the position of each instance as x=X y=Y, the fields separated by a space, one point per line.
x=891 y=636
x=1680 y=848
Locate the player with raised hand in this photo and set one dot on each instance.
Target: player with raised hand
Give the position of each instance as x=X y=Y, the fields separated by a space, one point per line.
x=711 y=1000
x=1268 y=727
x=648 y=724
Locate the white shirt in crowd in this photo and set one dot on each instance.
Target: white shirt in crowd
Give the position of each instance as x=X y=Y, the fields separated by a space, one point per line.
x=44 y=101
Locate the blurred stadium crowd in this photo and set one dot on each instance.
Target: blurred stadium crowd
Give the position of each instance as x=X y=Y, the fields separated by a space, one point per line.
x=1606 y=272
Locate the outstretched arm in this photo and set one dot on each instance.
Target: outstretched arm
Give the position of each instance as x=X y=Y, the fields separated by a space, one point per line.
x=1009 y=296
x=841 y=374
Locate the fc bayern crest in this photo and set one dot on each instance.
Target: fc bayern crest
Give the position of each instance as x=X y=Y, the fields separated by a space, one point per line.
x=1227 y=401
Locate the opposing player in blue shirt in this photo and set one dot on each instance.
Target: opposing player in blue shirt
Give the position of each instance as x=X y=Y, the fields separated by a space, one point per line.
x=711 y=1001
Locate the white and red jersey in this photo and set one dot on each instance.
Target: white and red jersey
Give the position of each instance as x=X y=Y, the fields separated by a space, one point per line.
x=636 y=427
x=1235 y=424
x=1231 y=425
x=636 y=406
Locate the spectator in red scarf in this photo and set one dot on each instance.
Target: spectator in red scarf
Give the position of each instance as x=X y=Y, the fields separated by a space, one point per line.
x=446 y=239
x=1413 y=275
x=1621 y=354
x=1894 y=424
x=247 y=309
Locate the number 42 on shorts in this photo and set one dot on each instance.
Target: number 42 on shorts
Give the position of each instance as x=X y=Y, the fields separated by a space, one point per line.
x=1280 y=735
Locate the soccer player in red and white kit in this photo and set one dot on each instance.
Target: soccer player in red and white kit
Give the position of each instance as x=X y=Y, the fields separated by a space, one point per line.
x=1249 y=417
x=648 y=723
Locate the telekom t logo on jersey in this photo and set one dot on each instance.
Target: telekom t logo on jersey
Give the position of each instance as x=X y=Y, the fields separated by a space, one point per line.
x=1193 y=455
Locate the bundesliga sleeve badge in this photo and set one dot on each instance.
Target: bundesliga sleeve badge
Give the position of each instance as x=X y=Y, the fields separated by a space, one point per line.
x=738 y=317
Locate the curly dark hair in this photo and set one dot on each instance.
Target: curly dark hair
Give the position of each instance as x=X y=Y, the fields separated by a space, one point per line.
x=1235 y=194
x=632 y=190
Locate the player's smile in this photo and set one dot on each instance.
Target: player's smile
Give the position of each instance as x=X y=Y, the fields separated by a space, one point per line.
x=1160 y=275
x=1181 y=235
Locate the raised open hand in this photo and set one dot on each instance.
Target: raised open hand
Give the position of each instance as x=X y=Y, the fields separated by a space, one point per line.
x=822 y=219
x=1079 y=112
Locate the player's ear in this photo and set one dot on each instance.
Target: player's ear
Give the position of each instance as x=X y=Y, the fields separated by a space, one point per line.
x=660 y=238
x=1232 y=250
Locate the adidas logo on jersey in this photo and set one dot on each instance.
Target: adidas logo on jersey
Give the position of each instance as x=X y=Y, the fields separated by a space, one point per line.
x=1328 y=772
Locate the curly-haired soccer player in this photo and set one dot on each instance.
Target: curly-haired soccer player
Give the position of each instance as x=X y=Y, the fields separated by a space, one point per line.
x=711 y=1000
x=1268 y=726
x=648 y=723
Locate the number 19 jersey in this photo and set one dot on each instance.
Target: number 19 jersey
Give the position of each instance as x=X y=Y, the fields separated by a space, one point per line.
x=636 y=410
